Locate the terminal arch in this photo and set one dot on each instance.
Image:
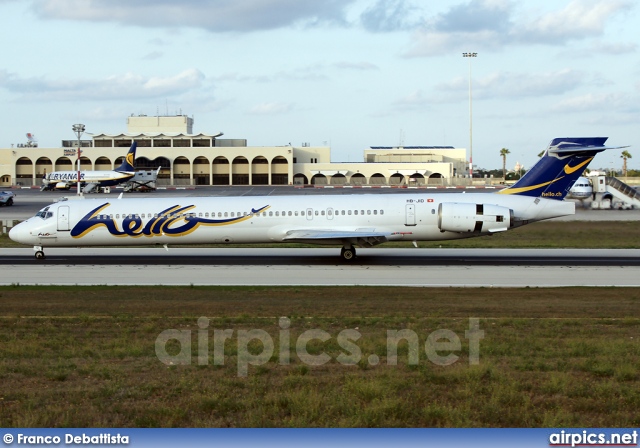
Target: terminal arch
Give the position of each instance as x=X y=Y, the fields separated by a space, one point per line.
x=5 y=180
x=396 y=179
x=103 y=163
x=259 y=171
x=377 y=179
x=85 y=164
x=201 y=171
x=416 y=179
x=358 y=179
x=436 y=179
x=43 y=166
x=181 y=171
x=300 y=179
x=24 y=171
x=319 y=179
x=63 y=164
x=240 y=171
x=338 y=179
x=279 y=171
x=220 y=171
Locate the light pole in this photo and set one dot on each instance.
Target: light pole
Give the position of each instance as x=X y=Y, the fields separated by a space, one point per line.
x=470 y=55
x=79 y=130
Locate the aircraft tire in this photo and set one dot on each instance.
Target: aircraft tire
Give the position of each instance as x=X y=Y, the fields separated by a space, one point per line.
x=10 y=202
x=348 y=253
x=40 y=255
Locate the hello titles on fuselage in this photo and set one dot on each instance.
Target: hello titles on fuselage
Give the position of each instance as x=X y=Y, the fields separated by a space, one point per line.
x=173 y=221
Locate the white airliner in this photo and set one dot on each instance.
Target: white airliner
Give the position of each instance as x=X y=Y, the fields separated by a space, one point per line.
x=347 y=221
x=581 y=189
x=63 y=180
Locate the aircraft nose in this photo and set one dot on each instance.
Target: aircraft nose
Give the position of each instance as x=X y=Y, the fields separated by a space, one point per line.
x=20 y=234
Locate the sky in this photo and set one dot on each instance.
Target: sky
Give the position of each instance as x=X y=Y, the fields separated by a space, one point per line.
x=345 y=73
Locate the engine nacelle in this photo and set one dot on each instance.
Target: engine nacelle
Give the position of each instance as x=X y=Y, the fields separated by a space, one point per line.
x=62 y=186
x=469 y=217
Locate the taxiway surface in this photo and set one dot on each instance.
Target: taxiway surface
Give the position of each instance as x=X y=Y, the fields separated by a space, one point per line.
x=399 y=267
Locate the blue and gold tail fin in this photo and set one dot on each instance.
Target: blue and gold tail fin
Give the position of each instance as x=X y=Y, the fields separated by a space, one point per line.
x=562 y=163
x=127 y=163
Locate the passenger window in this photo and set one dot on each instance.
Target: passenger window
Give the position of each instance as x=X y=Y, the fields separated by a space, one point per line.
x=355 y=212
x=226 y=214
x=382 y=212
x=375 y=212
x=322 y=212
x=349 y=212
x=296 y=213
x=316 y=212
x=368 y=212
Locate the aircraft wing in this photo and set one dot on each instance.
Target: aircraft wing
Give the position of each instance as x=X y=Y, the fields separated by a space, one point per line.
x=360 y=237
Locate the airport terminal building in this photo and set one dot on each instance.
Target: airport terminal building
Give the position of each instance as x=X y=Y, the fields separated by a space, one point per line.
x=186 y=158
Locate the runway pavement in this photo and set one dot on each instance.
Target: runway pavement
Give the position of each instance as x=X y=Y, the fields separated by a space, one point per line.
x=399 y=267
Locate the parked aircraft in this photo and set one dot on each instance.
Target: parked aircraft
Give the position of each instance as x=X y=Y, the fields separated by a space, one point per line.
x=581 y=189
x=344 y=220
x=64 y=180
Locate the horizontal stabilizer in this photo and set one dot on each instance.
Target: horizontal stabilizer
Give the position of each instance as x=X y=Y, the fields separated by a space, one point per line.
x=587 y=146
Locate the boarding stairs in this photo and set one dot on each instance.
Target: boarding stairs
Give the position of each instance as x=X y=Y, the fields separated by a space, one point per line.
x=609 y=188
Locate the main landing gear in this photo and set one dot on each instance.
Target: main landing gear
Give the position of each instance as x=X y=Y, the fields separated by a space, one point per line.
x=348 y=253
x=39 y=252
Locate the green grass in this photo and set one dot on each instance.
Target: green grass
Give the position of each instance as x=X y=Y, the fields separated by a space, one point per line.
x=85 y=356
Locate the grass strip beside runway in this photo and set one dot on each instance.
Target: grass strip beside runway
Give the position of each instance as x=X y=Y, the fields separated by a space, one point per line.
x=85 y=356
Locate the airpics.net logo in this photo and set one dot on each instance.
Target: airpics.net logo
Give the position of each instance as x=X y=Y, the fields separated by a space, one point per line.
x=257 y=347
x=591 y=438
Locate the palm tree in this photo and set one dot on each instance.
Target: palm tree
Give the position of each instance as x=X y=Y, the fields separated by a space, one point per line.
x=503 y=153
x=625 y=155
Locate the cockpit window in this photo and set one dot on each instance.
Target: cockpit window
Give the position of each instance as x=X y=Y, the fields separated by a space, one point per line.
x=44 y=213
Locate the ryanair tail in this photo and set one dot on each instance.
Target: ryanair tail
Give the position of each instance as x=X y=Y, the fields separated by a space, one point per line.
x=127 y=164
x=562 y=163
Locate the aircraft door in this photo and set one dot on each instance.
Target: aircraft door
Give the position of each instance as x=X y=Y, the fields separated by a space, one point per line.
x=329 y=213
x=63 y=217
x=309 y=214
x=410 y=215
